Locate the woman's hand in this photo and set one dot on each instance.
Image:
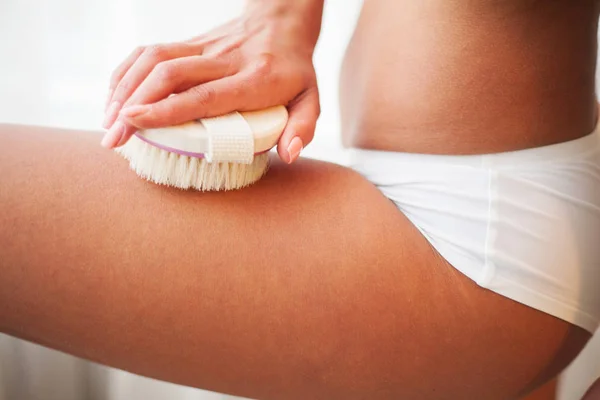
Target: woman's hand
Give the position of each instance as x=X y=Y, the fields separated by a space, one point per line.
x=262 y=59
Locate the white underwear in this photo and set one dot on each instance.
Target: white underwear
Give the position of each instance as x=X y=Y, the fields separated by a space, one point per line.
x=524 y=224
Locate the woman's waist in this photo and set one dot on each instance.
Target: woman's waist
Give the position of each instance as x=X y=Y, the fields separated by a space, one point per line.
x=406 y=105
x=464 y=80
x=584 y=150
x=463 y=130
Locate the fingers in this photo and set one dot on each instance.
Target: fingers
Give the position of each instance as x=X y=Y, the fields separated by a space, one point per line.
x=140 y=68
x=210 y=99
x=207 y=100
x=120 y=71
x=115 y=135
x=300 y=129
x=172 y=84
x=178 y=75
x=166 y=78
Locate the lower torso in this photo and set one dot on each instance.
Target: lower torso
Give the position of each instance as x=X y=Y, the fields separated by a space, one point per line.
x=471 y=76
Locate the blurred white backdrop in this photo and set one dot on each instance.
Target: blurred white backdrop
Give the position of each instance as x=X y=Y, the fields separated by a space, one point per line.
x=56 y=57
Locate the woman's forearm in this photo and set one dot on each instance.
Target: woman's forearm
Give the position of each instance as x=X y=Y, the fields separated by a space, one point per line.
x=302 y=16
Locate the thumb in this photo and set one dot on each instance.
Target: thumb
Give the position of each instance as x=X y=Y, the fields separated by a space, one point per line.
x=303 y=112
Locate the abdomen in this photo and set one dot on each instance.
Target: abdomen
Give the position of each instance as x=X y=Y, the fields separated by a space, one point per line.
x=469 y=77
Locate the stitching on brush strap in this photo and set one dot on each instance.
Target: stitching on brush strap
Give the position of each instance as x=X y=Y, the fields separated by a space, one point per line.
x=230 y=139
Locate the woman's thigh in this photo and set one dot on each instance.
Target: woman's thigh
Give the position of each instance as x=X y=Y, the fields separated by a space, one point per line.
x=309 y=284
x=593 y=392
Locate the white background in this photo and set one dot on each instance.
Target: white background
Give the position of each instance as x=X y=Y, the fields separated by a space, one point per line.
x=55 y=60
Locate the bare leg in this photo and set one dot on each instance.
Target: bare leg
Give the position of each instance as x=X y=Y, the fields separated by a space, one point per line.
x=546 y=392
x=594 y=391
x=309 y=284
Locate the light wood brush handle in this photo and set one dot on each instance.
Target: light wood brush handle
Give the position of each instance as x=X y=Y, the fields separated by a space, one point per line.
x=192 y=138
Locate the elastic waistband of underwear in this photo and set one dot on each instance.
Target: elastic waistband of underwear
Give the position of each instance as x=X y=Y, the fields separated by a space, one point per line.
x=535 y=155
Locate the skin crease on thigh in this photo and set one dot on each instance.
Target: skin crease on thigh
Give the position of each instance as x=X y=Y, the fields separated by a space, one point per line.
x=309 y=284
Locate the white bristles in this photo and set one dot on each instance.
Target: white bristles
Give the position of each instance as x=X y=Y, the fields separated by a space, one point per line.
x=165 y=168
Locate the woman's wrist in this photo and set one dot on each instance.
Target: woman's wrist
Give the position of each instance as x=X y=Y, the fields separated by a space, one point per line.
x=302 y=18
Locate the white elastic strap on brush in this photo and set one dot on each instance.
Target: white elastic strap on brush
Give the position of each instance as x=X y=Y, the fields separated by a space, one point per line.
x=230 y=139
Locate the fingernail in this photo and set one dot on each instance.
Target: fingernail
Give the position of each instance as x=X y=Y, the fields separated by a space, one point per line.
x=108 y=98
x=111 y=114
x=134 y=111
x=113 y=136
x=294 y=149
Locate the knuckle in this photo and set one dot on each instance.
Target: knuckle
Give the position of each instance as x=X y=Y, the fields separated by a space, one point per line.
x=308 y=79
x=309 y=136
x=166 y=71
x=264 y=65
x=166 y=114
x=275 y=79
x=309 y=132
x=204 y=95
x=155 y=52
x=317 y=111
x=122 y=87
x=317 y=108
x=312 y=96
x=138 y=51
x=155 y=116
x=229 y=64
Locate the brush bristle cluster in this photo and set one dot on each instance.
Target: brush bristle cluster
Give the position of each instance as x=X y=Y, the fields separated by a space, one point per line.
x=184 y=172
